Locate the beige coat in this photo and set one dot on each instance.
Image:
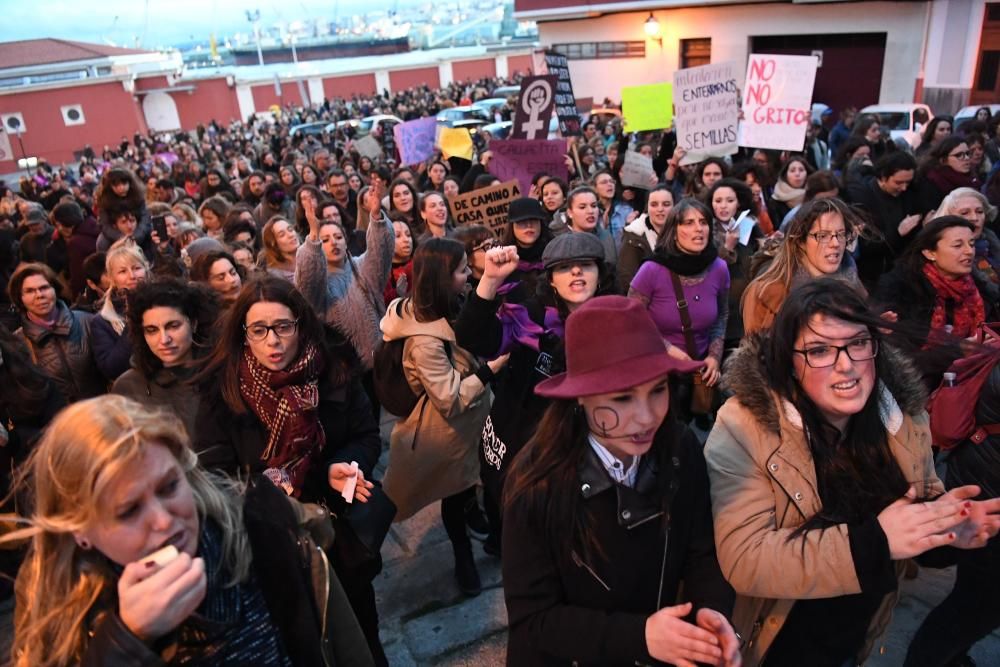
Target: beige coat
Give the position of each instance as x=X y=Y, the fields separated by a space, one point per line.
x=763 y=485
x=434 y=452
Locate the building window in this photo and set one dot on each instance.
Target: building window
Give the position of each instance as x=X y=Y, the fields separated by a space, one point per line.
x=695 y=52
x=993 y=11
x=598 y=50
x=989 y=66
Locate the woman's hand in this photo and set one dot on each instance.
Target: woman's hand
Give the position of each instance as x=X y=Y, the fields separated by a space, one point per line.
x=338 y=474
x=373 y=201
x=710 y=373
x=718 y=625
x=498 y=363
x=677 y=353
x=982 y=521
x=732 y=239
x=154 y=600
x=908 y=224
x=913 y=528
x=309 y=208
x=500 y=263
x=673 y=640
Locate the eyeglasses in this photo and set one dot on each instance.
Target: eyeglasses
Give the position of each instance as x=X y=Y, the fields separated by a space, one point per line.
x=282 y=329
x=824 y=356
x=964 y=155
x=823 y=238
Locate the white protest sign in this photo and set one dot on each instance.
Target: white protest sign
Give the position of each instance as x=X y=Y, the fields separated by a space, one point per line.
x=706 y=110
x=637 y=171
x=777 y=101
x=369 y=147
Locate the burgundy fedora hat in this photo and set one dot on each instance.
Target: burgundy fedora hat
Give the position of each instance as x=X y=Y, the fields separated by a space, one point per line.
x=611 y=345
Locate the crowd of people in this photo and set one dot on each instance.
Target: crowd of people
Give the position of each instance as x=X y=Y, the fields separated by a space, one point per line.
x=204 y=332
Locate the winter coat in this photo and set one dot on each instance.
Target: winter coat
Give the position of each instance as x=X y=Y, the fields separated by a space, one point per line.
x=979 y=462
x=166 y=388
x=738 y=261
x=351 y=303
x=112 y=350
x=143 y=231
x=638 y=241
x=66 y=256
x=434 y=451
x=570 y=607
x=884 y=212
x=764 y=486
x=65 y=353
x=304 y=598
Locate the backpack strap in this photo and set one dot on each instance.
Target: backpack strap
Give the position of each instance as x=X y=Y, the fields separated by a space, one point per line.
x=984 y=431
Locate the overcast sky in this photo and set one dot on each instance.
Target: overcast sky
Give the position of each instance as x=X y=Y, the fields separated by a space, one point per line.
x=160 y=22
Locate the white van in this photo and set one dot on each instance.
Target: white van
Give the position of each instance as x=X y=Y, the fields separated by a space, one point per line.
x=905 y=121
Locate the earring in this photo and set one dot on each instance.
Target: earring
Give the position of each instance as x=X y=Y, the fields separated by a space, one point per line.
x=84 y=543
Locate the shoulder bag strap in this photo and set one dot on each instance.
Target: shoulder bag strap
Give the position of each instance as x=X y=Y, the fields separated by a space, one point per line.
x=682 y=308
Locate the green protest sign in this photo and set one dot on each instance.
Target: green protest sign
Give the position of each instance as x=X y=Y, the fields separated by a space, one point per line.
x=647 y=107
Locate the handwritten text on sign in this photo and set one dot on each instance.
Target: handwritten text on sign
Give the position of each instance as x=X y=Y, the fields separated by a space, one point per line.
x=706 y=110
x=485 y=206
x=777 y=101
x=521 y=159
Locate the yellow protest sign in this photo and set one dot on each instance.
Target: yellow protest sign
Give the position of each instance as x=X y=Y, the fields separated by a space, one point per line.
x=649 y=107
x=455 y=142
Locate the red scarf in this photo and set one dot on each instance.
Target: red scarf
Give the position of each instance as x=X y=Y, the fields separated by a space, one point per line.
x=286 y=402
x=947 y=179
x=968 y=308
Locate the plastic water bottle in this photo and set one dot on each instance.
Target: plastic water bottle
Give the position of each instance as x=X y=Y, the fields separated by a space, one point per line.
x=948 y=379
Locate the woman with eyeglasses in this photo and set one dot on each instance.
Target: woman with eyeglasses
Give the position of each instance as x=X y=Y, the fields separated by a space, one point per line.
x=280 y=395
x=815 y=246
x=477 y=239
x=946 y=167
x=823 y=482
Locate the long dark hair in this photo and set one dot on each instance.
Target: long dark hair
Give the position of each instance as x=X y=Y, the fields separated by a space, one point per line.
x=134 y=199
x=196 y=302
x=543 y=480
x=434 y=263
x=222 y=367
x=927 y=239
x=936 y=156
x=25 y=385
x=857 y=475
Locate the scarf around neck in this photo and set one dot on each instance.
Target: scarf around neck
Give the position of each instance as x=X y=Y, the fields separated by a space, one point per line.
x=968 y=310
x=784 y=192
x=286 y=402
x=947 y=179
x=688 y=265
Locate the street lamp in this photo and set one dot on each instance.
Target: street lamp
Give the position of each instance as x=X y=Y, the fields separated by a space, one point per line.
x=652 y=28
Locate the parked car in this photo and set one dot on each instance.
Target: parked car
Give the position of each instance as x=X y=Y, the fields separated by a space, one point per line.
x=491 y=105
x=502 y=129
x=904 y=121
x=363 y=126
x=966 y=114
x=506 y=91
x=309 y=129
x=468 y=116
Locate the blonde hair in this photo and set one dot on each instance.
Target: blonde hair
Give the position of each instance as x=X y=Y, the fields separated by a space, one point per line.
x=86 y=448
x=123 y=250
x=950 y=203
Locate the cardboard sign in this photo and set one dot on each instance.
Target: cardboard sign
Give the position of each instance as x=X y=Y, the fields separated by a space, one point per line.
x=369 y=147
x=637 y=171
x=521 y=159
x=415 y=140
x=569 y=117
x=455 y=142
x=485 y=206
x=777 y=101
x=648 y=107
x=534 y=108
x=706 y=106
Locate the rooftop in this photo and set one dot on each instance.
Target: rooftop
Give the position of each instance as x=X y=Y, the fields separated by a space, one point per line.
x=33 y=52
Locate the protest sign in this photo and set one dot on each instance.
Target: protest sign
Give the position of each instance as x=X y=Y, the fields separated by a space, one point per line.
x=569 y=117
x=485 y=206
x=455 y=142
x=777 y=101
x=648 y=107
x=706 y=107
x=637 y=171
x=415 y=140
x=369 y=147
x=521 y=159
x=534 y=108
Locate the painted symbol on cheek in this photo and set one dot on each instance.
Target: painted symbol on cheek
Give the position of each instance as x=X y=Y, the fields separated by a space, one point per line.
x=604 y=419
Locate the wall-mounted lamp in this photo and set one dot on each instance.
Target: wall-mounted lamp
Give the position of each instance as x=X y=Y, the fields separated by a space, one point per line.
x=652 y=28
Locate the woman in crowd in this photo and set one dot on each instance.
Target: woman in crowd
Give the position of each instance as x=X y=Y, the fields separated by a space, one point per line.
x=476 y=239
x=728 y=199
x=216 y=183
x=58 y=339
x=127 y=269
x=979 y=164
x=553 y=196
x=306 y=192
x=213 y=212
x=946 y=167
x=592 y=566
x=111 y=483
x=530 y=328
x=219 y=270
x=974 y=207
x=452 y=186
x=434 y=178
x=854 y=148
x=815 y=246
x=639 y=238
x=823 y=481
x=686 y=267
x=345 y=291
x=289 y=180
x=615 y=213
x=119 y=188
x=527 y=229
x=583 y=215
x=403 y=199
x=820 y=185
x=704 y=176
x=937 y=130
x=170 y=325
x=790 y=189
x=310 y=175
x=401 y=275
x=867 y=127
x=435 y=216
x=279 y=396
x=454 y=399
x=280 y=243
